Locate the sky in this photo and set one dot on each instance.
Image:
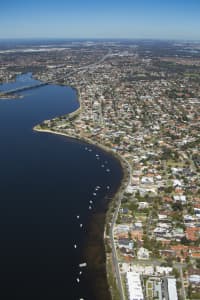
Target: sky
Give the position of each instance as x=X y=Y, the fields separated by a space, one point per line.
x=159 y=19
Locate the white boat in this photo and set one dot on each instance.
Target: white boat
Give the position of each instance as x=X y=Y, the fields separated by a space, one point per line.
x=83 y=265
x=107 y=170
x=94 y=194
x=108 y=187
x=97 y=188
x=90 y=207
x=75 y=246
x=102 y=166
x=81 y=225
x=78 y=217
x=91 y=201
x=77 y=279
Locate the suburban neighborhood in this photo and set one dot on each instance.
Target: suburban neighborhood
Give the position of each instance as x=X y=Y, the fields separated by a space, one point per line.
x=140 y=101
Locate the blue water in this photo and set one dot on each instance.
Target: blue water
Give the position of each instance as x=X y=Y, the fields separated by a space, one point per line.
x=45 y=182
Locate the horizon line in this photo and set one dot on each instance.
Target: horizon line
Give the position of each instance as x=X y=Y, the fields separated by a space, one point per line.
x=101 y=38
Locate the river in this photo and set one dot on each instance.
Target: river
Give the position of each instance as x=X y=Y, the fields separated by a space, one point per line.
x=46 y=181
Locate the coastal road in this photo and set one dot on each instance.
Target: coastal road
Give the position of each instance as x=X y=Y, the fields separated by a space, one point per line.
x=111 y=233
x=114 y=252
x=93 y=66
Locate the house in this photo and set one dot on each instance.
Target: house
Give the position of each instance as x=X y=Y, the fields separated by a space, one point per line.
x=163 y=270
x=162 y=230
x=188 y=218
x=162 y=217
x=178 y=233
x=136 y=234
x=122 y=228
x=137 y=225
x=125 y=243
x=180 y=251
x=192 y=233
x=130 y=189
x=180 y=198
x=142 y=205
x=122 y=235
x=124 y=210
x=143 y=253
x=194 y=279
x=147 y=180
x=177 y=183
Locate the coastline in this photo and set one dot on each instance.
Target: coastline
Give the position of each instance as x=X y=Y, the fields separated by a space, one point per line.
x=10 y=97
x=113 y=280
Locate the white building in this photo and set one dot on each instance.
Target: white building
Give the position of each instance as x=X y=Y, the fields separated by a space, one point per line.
x=194 y=279
x=134 y=286
x=143 y=253
x=180 y=198
x=172 y=291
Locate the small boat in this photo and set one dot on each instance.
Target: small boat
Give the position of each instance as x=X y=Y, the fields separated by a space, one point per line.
x=75 y=246
x=81 y=225
x=91 y=201
x=90 y=207
x=94 y=194
x=77 y=279
x=80 y=272
x=83 y=265
x=102 y=166
x=107 y=170
x=78 y=217
x=108 y=187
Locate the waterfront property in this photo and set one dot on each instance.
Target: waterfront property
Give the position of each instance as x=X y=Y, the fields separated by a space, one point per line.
x=134 y=286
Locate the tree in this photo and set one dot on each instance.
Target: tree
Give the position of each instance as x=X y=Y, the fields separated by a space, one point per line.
x=185 y=241
x=177 y=206
x=198 y=263
x=187 y=260
x=176 y=273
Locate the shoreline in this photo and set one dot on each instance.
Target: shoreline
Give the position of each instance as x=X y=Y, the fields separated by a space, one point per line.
x=115 y=288
x=10 y=97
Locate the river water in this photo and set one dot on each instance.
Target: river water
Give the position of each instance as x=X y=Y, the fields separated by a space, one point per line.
x=45 y=182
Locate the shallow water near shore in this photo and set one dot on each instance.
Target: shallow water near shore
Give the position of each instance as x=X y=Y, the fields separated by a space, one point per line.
x=46 y=181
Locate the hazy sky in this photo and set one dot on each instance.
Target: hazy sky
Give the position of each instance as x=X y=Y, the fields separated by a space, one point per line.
x=100 y=19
